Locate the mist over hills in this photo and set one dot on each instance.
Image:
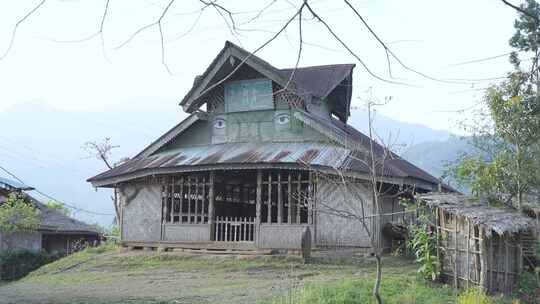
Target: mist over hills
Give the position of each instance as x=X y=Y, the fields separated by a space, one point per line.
x=43 y=145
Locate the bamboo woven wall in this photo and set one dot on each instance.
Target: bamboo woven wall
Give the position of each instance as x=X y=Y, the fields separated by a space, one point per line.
x=470 y=257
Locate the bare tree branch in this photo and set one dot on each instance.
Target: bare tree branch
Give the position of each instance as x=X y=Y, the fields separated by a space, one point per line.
x=19 y=22
x=521 y=10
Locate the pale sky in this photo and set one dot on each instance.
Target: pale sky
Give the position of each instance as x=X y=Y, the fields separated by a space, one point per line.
x=428 y=35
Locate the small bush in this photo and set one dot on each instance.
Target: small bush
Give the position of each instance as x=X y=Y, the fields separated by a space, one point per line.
x=18 y=263
x=474 y=296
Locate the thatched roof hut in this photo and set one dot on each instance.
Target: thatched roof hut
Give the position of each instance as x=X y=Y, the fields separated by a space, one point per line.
x=480 y=245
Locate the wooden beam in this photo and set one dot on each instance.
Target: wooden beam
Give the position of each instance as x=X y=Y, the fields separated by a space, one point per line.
x=171 y=195
x=456 y=252
x=258 y=203
x=310 y=199
x=289 y=199
x=298 y=197
x=468 y=250
x=269 y=213
x=196 y=200
x=181 y=198
x=211 y=205
x=189 y=200
x=279 y=201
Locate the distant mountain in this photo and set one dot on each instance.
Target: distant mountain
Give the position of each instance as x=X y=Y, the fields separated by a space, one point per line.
x=42 y=145
x=403 y=133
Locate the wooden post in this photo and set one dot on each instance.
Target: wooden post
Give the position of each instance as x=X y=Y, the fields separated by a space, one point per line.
x=211 y=205
x=269 y=213
x=189 y=200
x=299 y=197
x=490 y=265
x=279 y=201
x=171 y=195
x=468 y=250
x=520 y=255
x=437 y=232
x=289 y=199
x=196 y=219
x=482 y=257
x=181 y=198
x=310 y=199
x=258 y=204
x=203 y=201
x=455 y=251
x=506 y=265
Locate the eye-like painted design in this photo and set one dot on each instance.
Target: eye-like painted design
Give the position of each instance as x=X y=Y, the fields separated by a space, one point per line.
x=220 y=123
x=283 y=119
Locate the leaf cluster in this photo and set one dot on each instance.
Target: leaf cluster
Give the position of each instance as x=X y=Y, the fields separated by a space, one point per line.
x=18 y=215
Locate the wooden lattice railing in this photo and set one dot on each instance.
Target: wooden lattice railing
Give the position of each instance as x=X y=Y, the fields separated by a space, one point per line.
x=234 y=229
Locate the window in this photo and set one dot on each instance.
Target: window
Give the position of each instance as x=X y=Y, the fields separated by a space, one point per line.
x=248 y=95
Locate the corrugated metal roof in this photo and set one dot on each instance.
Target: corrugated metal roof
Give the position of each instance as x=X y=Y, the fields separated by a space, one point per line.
x=315 y=154
x=13 y=185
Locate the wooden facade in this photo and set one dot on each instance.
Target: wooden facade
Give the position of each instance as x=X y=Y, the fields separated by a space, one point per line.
x=242 y=170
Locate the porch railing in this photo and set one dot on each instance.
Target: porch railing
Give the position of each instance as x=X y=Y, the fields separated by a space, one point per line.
x=234 y=229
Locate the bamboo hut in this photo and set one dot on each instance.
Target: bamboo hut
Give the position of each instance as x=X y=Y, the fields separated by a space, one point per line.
x=480 y=245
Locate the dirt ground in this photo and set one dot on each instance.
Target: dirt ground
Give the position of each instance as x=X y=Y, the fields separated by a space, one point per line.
x=151 y=277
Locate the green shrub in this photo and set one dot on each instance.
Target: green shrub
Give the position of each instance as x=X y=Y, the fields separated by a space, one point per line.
x=395 y=289
x=16 y=264
x=474 y=296
x=423 y=243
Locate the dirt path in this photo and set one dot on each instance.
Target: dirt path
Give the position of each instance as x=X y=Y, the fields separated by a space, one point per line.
x=141 y=277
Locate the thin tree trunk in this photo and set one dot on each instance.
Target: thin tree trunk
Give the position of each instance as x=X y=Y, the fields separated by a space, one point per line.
x=378 y=279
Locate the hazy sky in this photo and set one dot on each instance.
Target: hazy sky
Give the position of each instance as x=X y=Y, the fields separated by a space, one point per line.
x=429 y=36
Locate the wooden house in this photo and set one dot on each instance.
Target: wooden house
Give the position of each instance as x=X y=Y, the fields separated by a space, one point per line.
x=481 y=245
x=244 y=169
x=56 y=231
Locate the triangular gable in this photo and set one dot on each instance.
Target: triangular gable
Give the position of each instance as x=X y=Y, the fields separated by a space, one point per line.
x=169 y=136
x=204 y=83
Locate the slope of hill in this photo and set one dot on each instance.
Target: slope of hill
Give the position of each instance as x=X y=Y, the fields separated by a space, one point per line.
x=113 y=276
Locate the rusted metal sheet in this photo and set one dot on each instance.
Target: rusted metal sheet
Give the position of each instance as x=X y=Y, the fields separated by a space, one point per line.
x=319 y=154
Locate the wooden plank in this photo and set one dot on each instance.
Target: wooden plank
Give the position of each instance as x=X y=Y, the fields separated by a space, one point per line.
x=269 y=213
x=204 y=210
x=226 y=237
x=506 y=266
x=289 y=199
x=211 y=201
x=279 y=201
x=468 y=251
x=196 y=217
x=456 y=252
x=181 y=199
x=310 y=200
x=299 y=197
x=170 y=196
x=258 y=203
x=189 y=200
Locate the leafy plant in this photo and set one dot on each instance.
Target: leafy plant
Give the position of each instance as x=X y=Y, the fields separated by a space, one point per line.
x=423 y=243
x=529 y=281
x=18 y=263
x=17 y=214
x=474 y=296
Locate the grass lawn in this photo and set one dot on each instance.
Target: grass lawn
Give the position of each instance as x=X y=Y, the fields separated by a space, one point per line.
x=108 y=275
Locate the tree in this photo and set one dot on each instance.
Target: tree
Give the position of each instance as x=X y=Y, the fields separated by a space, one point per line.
x=507 y=133
x=18 y=215
x=102 y=151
